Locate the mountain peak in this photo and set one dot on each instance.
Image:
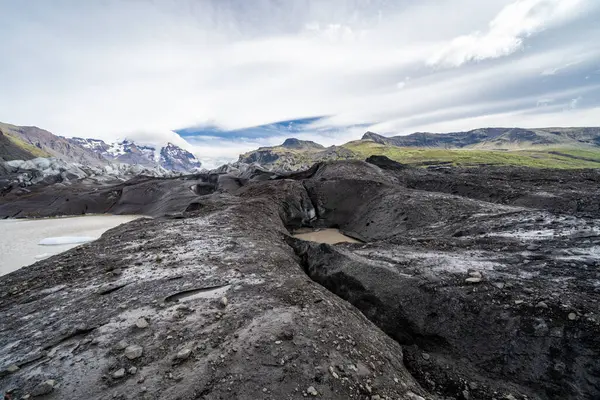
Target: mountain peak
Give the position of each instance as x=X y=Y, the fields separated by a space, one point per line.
x=293 y=143
x=377 y=138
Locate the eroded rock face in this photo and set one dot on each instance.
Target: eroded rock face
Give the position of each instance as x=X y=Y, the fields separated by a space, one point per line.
x=474 y=299
x=278 y=333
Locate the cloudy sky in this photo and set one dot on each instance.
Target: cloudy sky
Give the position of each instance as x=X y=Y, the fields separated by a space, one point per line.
x=231 y=75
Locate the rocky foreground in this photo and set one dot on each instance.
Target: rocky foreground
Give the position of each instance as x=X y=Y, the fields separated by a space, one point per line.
x=469 y=284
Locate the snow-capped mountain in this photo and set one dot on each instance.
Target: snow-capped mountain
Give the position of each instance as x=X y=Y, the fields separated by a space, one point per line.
x=170 y=157
x=175 y=158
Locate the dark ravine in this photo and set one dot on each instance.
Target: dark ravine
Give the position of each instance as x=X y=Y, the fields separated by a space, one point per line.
x=474 y=285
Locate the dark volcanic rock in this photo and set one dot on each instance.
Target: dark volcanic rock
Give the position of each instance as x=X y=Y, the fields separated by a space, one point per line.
x=385 y=163
x=478 y=293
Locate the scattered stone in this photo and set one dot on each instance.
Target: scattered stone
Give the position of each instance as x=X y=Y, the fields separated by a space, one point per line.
x=122 y=345
x=134 y=351
x=141 y=323
x=413 y=396
x=132 y=370
x=475 y=274
x=473 y=280
x=519 y=302
x=499 y=285
x=223 y=302
x=183 y=354
x=12 y=368
x=312 y=391
x=541 y=304
x=43 y=388
x=425 y=356
x=119 y=373
x=572 y=316
x=333 y=373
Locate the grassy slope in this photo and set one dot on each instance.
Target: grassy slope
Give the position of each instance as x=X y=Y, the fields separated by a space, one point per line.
x=8 y=131
x=36 y=152
x=538 y=158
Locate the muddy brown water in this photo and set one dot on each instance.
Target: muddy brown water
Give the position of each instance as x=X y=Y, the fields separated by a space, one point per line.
x=329 y=236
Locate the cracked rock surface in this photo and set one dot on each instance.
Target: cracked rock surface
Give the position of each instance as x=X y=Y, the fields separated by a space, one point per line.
x=478 y=294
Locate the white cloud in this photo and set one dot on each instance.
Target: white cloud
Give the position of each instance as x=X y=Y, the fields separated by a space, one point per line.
x=507 y=31
x=574 y=103
x=140 y=69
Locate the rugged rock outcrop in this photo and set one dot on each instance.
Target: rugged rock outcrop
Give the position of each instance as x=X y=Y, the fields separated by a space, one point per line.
x=478 y=295
x=294 y=155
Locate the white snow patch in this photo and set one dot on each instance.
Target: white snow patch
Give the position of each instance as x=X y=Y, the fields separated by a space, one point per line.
x=54 y=241
x=43 y=255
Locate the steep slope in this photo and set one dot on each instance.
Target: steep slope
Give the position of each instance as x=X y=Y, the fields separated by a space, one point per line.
x=52 y=145
x=175 y=158
x=12 y=148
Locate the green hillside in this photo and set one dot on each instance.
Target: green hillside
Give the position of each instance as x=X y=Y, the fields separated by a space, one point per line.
x=547 y=158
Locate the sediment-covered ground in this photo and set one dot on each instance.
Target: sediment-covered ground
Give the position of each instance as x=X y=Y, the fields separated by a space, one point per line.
x=467 y=284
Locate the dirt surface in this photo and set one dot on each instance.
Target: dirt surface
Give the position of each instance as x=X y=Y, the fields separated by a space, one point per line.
x=480 y=294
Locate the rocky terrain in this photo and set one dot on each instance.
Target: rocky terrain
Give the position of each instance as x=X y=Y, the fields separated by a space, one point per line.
x=294 y=154
x=568 y=148
x=467 y=284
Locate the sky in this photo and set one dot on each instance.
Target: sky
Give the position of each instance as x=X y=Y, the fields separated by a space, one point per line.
x=232 y=75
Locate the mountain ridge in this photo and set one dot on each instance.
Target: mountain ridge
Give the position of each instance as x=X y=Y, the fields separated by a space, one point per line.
x=29 y=142
x=494 y=138
x=540 y=147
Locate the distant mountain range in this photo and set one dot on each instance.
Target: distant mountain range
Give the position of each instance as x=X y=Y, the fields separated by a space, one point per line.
x=496 y=138
x=544 y=147
x=25 y=143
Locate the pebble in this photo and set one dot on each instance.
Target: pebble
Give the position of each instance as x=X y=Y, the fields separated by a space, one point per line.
x=519 y=301
x=141 y=323
x=312 y=391
x=473 y=280
x=122 y=345
x=425 y=356
x=132 y=370
x=183 y=354
x=134 y=351
x=541 y=304
x=333 y=373
x=413 y=396
x=12 y=368
x=43 y=388
x=119 y=373
x=572 y=316
x=475 y=274
x=223 y=302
